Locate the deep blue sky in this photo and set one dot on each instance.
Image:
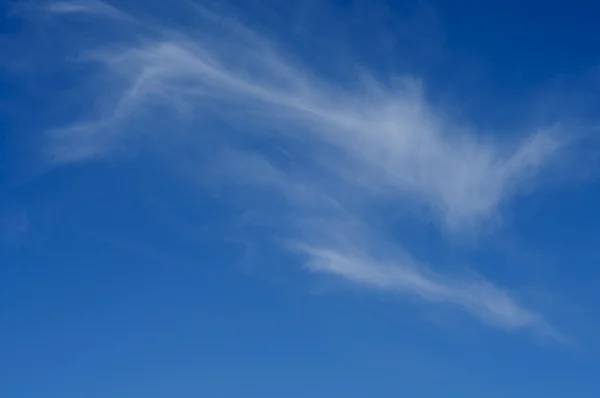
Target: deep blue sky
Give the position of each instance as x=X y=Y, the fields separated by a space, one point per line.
x=328 y=198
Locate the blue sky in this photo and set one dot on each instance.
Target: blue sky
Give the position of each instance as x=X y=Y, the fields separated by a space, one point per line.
x=299 y=199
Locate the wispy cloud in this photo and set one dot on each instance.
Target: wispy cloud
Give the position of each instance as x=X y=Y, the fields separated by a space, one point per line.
x=348 y=145
x=92 y=7
x=391 y=136
x=349 y=249
x=482 y=299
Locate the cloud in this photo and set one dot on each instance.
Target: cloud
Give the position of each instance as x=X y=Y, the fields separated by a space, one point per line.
x=482 y=299
x=349 y=145
x=91 y=7
x=390 y=136
x=347 y=248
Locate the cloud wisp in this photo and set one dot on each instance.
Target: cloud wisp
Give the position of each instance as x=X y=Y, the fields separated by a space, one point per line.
x=481 y=299
x=347 y=145
x=91 y=7
x=391 y=136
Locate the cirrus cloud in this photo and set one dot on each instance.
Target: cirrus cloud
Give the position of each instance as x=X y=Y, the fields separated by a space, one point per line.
x=345 y=146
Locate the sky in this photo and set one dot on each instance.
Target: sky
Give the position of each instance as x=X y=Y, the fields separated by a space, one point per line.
x=328 y=198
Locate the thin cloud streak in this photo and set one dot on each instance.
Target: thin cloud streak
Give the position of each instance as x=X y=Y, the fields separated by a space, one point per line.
x=380 y=142
x=482 y=299
x=91 y=7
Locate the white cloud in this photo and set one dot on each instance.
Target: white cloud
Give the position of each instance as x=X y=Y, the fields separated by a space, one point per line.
x=346 y=247
x=391 y=137
x=482 y=299
x=92 y=7
x=362 y=142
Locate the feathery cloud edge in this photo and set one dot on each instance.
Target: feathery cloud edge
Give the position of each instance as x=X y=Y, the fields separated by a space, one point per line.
x=386 y=142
